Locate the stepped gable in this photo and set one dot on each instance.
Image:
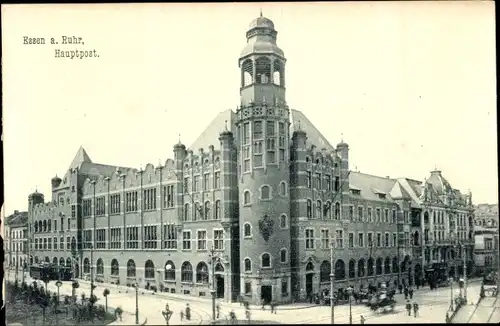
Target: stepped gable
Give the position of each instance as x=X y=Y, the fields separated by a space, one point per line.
x=371 y=186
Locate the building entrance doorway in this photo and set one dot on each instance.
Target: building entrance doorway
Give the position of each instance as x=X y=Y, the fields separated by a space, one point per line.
x=219 y=279
x=77 y=271
x=309 y=284
x=266 y=293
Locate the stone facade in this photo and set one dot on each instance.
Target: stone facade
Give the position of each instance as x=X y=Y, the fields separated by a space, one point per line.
x=270 y=196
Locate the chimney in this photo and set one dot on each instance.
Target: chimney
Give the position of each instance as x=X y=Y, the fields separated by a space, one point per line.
x=16 y=212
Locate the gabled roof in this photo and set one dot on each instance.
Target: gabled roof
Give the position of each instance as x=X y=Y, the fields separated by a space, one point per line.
x=371 y=185
x=413 y=189
x=18 y=219
x=210 y=136
x=399 y=192
x=80 y=157
x=314 y=137
x=96 y=169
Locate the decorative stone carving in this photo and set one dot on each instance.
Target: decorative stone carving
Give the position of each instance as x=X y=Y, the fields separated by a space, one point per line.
x=266 y=226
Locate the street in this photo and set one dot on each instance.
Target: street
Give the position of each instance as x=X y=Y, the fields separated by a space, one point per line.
x=433 y=306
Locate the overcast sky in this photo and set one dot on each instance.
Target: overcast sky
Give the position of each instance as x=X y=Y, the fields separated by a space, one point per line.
x=411 y=86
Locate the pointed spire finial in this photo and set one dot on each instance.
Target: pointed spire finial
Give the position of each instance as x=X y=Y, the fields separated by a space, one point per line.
x=179 y=138
x=341 y=137
x=298 y=125
x=260 y=12
x=225 y=121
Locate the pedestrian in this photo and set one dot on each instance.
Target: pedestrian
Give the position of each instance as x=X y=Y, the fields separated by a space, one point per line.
x=188 y=312
x=167 y=308
x=415 y=309
x=408 y=307
x=232 y=316
x=182 y=315
x=362 y=320
x=400 y=287
x=218 y=310
x=406 y=293
x=410 y=292
x=447 y=318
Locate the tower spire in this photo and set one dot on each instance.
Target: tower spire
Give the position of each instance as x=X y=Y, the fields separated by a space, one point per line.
x=225 y=121
x=260 y=12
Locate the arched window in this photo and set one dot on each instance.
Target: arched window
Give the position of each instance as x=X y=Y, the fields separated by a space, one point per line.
x=217 y=209
x=283 y=255
x=49 y=226
x=149 y=270
x=186 y=272
x=324 y=271
x=339 y=270
x=361 y=267
x=337 y=211
x=282 y=188
x=100 y=267
x=246 y=197
x=130 y=268
x=54 y=261
x=86 y=265
x=61 y=262
x=169 y=271
x=379 y=266
x=202 y=273
x=387 y=266
x=283 y=221
x=265 y=260
x=247 y=230
x=352 y=266
x=44 y=226
x=197 y=212
x=207 y=210
x=248 y=265
x=319 y=211
x=247 y=73
x=187 y=212
x=68 y=262
x=278 y=73
x=265 y=192
x=115 y=268
x=328 y=210
x=73 y=243
x=309 y=209
x=370 y=267
x=40 y=226
x=36 y=227
x=263 y=70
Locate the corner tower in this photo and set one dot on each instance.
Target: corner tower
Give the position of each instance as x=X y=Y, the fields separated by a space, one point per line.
x=263 y=167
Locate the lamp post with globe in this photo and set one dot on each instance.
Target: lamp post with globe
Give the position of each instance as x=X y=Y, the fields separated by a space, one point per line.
x=349 y=291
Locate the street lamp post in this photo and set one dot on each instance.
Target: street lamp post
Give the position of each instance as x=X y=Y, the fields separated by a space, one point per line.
x=91 y=270
x=465 y=273
x=17 y=261
x=451 y=292
x=349 y=291
x=332 y=279
x=212 y=289
x=136 y=302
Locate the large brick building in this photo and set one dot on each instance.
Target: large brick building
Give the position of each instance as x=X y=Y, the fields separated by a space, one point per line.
x=261 y=186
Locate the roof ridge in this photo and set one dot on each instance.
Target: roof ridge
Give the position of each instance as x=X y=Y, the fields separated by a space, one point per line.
x=372 y=175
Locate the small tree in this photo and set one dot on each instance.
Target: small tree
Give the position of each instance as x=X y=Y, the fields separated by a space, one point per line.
x=105 y=293
x=119 y=312
x=74 y=285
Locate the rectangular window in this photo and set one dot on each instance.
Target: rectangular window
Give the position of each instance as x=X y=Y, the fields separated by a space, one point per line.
x=257 y=130
x=369 y=213
x=394 y=218
x=55 y=226
x=217 y=180
x=150 y=237
x=309 y=179
x=149 y=199
x=69 y=223
x=87 y=208
x=218 y=239
x=309 y=239
x=270 y=128
x=340 y=239
x=284 y=288
x=271 y=148
x=361 y=240
x=325 y=238
x=246 y=133
x=61 y=243
x=186 y=184
x=68 y=243
x=50 y=244
x=351 y=240
x=328 y=181
x=370 y=240
x=115 y=202
x=378 y=217
x=100 y=239
x=394 y=239
x=87 y=239
x=337 y=184
x=132 y=237
x=386 y=216
x=73 y=210
x=170 y=236
x=168 y=196
x=131 y=201
x=317 y=181
x=206 y=182
x=387 y=240
x=116 y=238
x=100 y=206
x=202 y=240
x=360 y=214
x=196 y=183
x=248 y=288
x=379 y=240
x=351 y=213
x=186 y=240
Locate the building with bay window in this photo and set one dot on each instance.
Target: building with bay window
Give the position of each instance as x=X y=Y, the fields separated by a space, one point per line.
x=261 y=186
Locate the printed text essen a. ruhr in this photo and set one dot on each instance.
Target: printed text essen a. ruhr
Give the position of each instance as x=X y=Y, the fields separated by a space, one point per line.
x=65 y=40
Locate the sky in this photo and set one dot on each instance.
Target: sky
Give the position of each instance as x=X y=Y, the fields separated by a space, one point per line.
x=409 y=86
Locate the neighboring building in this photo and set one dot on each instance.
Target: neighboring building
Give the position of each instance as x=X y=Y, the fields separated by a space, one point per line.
x=486 y=251
x=16 y=228
x=269 y=196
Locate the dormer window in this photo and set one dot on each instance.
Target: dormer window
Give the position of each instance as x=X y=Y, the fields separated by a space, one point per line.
x=356 y=192
x=382 y=196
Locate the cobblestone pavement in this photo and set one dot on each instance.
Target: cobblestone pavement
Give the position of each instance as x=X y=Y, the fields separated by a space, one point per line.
x=487 y=311
x=433 y=307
